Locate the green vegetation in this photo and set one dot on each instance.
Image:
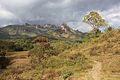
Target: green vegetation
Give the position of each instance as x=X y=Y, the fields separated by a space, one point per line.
x=110 y=29
x=53 y=61
x=64 y=59
x=40 y=53
x=95 y=20
x=23 y=45
x=45 y=58
x=4 y=35
x=15 y=45
x=66 y=67
x=95 y=33
x=61 y=46
x=6 y=45
x=30 y=31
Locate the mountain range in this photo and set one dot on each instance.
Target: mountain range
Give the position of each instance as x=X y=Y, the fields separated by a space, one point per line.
x=47 y=30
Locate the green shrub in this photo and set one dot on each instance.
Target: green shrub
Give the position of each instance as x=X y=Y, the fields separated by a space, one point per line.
x=23 y=45
x=61 y=46
x=91 y=35
x=109 y=29
x=7 y=45
x=55 y=62
x=15 y=45
x=66 y=74
x=40 y=53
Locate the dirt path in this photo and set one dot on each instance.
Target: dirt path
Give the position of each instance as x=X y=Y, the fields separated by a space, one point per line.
x=95 y=73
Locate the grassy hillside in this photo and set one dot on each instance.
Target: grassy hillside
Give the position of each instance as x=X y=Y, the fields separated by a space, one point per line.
x=104 y=49
x=107 y=49
x=95 y=59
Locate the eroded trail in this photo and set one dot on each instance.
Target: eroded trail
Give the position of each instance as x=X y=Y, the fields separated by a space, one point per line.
x=95 y=73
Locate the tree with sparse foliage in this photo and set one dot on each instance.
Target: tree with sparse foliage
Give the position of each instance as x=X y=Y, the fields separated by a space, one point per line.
x=95 y=20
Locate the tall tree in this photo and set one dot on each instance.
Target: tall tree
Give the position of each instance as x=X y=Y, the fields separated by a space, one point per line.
x=95 y=20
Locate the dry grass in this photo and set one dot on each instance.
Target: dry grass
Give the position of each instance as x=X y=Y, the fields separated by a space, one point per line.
x=19 y=63
x=104 y=49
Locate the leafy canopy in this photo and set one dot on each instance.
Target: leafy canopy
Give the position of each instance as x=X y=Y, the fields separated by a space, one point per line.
x=95 y=20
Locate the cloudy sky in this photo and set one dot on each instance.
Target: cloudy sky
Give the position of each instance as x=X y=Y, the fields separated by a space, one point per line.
x=57 y=11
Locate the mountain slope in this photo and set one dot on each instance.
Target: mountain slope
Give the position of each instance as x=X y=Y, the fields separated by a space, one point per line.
x=3 y=35
x=47 y=30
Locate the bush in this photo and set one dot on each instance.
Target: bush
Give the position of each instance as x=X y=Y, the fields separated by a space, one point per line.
x=91 y=35
x=23 y=45
x=61 y=46
x=109 y=29
x=55 y=62
x=67 y=74
x=15 y=45
x=40 y=53
x=7 y=45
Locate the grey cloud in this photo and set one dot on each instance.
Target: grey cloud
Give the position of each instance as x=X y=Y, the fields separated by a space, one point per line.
x=53 y=11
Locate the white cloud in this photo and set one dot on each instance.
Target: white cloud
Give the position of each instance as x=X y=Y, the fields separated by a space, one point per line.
x=53 y=11
x=112 y=15
x=58 y=3
x=80 y=26
x=7 y=17
x=66 y=2
x=5 y=14
x=17 y=3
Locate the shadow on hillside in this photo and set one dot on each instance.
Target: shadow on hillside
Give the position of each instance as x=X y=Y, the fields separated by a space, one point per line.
x=4 y=62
